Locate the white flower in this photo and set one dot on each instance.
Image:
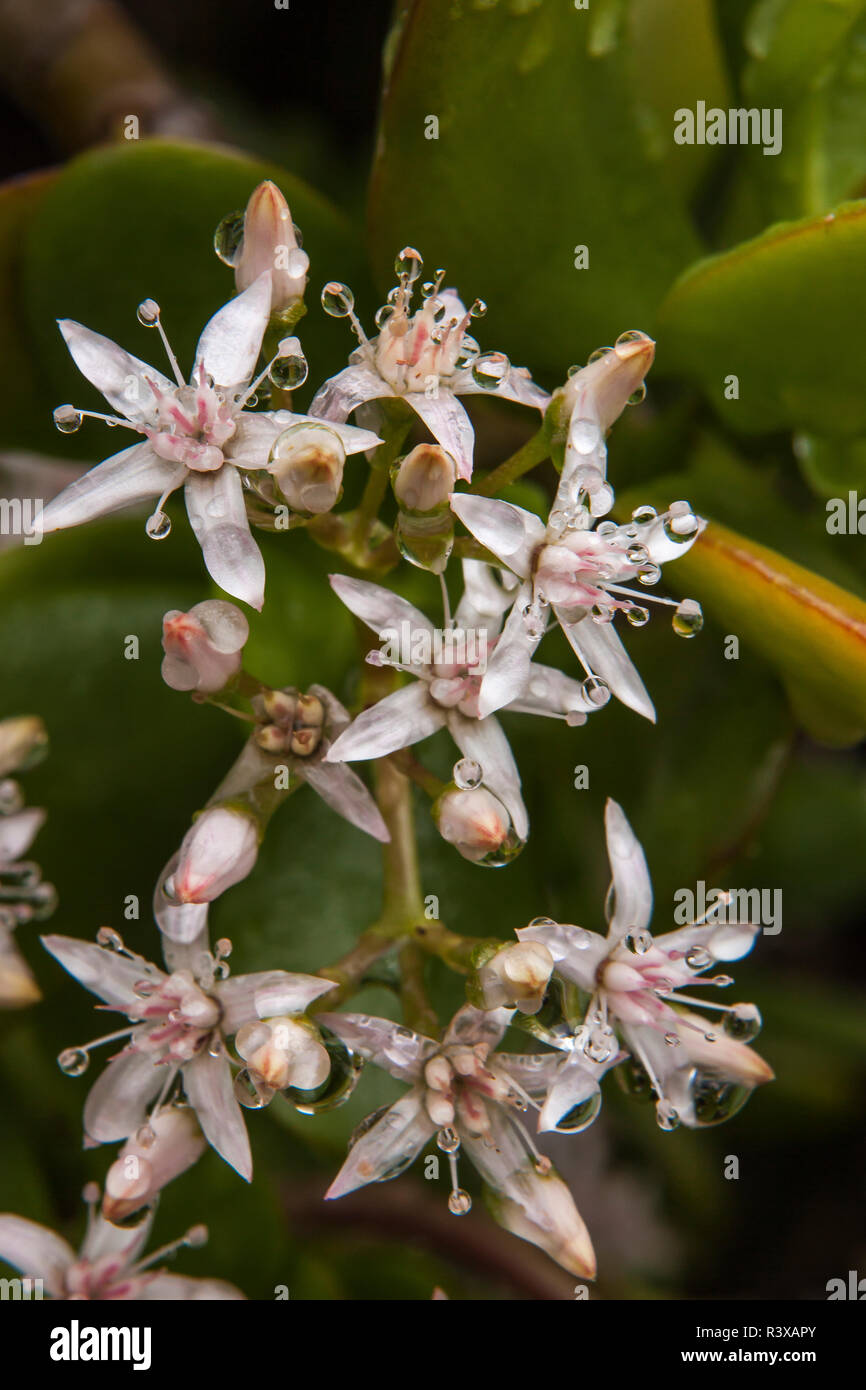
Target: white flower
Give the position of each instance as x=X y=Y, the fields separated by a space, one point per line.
x=219 y=850
x=700 y=1073
x=108 y=1265
x=516 y=975
x=179 y=1024
x=197 y=435
x=203 y=647
x=425 y=358
x=446 y=691
x=584 y=574
x=24 y=897
x=468 y=1094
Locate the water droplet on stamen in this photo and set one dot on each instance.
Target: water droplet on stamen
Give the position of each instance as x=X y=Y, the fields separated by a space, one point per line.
x=688 y=618
x=289 y=370
x=448 y=1140
x=147 y=313
x=409 y=264
x=158 y=526
x=477 y=309
x=67 y=419
x=337 y=299
x=595 y=690
x=73 y=1061
x=459 y=1202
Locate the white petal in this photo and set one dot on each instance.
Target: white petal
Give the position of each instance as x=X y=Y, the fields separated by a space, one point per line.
x=661 y=549
x=17 y=833
x=342 y=790
x=117 y=1103
x=182 y=923
x=631 y=880
x=470 y=1025
x=600 y=650
x=513 y=387
x=293 y=994
x=484 y=740
x=484 y=599
x=449 y=424
x=252 y=765
x=208 y=1084
x=132 y=476
x=344 y=392
x=389 y=1145
x=509 y=668
x=239 y=993
x=395 y=1049
x=550 y=691
x=577 y=953
x=105 y=973
x=253 y=439
x=576 y=1081
x=355 y=440
x=509 y=532
x=215 y=504
x=120 y=377
x=230 y=344
x=36 y=1251
x=379 y=608
x=401 y=719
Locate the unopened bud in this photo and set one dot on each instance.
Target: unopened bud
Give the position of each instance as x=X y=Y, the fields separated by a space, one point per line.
x=602 y=389
x=18 y=988
x=424 y=480
x=477 y=824
x=280 y=706
x=282 y=1052
x=203 y=647
x=139 y=1173
x=518 y=975
x=306 y=462
x=23 y=740
x=218 y=851
x=270 y=243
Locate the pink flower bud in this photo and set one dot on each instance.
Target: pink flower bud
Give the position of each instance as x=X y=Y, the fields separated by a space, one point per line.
x=602 y=389
x=518 y=975
x=306 y=463
x=475 y=822
x=140 y=1171
x=270 y=243
x=218 y=851
x=203 y=647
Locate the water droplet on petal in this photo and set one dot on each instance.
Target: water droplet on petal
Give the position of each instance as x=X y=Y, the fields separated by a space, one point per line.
x=468 y=773
x=382 y=315
x=146 y=1136
x=109 y=939
x=681 y=523
x=636 y=615
x=637 y=554
x=650 y=574
x=643 y=516
x=637 y=396
x=490 y=369
x=228 y=237
x=667 y=1116
x=639 y=942
x=289 y=370
x=598 y=354
x=584 y=435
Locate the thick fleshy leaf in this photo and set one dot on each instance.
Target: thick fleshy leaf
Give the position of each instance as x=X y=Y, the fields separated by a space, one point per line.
x=493 y=180
x=743 y=314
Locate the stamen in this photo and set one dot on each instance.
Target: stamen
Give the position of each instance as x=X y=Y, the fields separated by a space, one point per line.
x=194 y=1237
x=446 y=602
x=150 y=315
x=644 y=598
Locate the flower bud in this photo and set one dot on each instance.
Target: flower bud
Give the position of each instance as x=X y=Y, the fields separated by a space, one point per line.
x=306 y=463
x=477 y=824
x=424 y=480
x=18 y=988
x=270 y=243
x=282 y=1052
x=203 y=647
x=140 y=1171
x=22 y=742
x=547 y=1217
x=518 y=974
x=218 y=851
x=602 y=389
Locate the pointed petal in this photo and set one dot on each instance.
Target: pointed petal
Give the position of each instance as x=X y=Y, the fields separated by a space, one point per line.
x=244 y=997
x=354 y=439
x=533 y=1072
x=401 y=719
x=515 y=386
x=122 y=378
x=387 y=1148
x=449 y=424
x=180 y=1288
x=576 y=1082
x=600 y=651
x=661 y=548
x=342 y=790
x=484 y=740
x=509 y=532
x=508 y=669
x=551 y=692
x=208 y=1084
x=470 y=1025
x=484 y=598
x=577 y=953
x=253 y=439
x=215 y=504
x=344 y=392
x=252 y=765
x=395 y=1049
x=117 y=1103
x=231 y=342
x=36 y=1251
x=631 y=880
x=18 y=831
x=132 y=476
x=380 y=608
x=105 y=973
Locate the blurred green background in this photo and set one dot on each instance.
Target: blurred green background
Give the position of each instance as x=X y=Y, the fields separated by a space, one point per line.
x=555 y=130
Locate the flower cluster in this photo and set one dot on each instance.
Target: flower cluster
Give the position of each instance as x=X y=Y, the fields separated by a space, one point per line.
x=198 y=1045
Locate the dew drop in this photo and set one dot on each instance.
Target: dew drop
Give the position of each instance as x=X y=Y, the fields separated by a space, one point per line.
x=672 y=1040
x=681 y=523
x=459 y=1202
x=109 y=939
x=337 y=299
x=383 y=314
x=297 y=263
x=595 y=690
x=637 y=554
x=584 y=436
x=146 y=1136
x=639 y=942
x=289 y=370
x=147 y=313
x=601 y=614
x=743 y=1022
x=598 y=354
x=448 y=1140
x=688 y=618
x=73 y=1061
x=637 y=396
x=649 y=574
x=477 y=309
x=667 y=1116
x=542 y=922
x=467 y=774
x=67 y=419
x=636 y=615
x=490 y=369
x=228 y=237
x=409 y=264
x=643 y=516
x=158 y=526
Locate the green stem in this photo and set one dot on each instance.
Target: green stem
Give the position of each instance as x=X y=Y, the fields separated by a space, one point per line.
x=418 y=1012
x=403 y=903
x=533 y=452
x=453 y=950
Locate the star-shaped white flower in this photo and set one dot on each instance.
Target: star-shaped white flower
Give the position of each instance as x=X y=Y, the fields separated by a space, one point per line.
x=445 y=693
x=108 y=1265
x=179 y=1026
x=198 y=435
x=584 y=572
x=425 y=358
x=700 y=1072
x=469 y=1094
x=24 y=897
